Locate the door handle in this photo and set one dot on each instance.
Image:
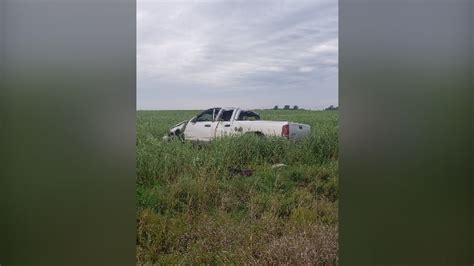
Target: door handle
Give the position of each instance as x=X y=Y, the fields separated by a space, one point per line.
x=228 y=125
x=207 y=125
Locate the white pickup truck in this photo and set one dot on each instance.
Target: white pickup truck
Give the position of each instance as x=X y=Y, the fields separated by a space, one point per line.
x=219 y=122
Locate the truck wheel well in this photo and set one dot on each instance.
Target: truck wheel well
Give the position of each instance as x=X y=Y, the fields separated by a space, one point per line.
x=178 y=134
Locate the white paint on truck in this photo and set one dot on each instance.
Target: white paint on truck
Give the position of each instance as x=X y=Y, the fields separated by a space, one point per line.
x=220 y=122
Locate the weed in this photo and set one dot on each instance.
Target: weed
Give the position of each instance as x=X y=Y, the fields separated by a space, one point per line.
x=223 y=203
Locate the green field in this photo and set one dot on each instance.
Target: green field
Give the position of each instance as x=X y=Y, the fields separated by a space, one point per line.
x=193 y=209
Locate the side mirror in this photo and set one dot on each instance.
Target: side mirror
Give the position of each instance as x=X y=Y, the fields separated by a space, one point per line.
x=193 y=120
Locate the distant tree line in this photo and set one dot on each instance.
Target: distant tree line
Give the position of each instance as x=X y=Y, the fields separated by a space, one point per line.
x=295 y=107
x=287 y=107
x=331 y=108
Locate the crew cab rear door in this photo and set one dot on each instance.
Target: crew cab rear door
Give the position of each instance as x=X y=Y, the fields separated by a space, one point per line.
x=225 y=121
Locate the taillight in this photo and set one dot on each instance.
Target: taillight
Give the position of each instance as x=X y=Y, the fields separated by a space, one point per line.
x=285 y=131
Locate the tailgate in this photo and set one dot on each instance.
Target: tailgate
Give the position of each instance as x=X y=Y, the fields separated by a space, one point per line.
x=299 y=131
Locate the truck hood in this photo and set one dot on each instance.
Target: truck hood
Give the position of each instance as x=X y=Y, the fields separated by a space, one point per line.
x=180 y=125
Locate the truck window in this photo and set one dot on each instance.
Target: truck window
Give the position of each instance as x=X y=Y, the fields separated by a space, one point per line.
x=215 y=113
x=248 y=116
x=205 y=116
x=226 y=115
x=208 y=115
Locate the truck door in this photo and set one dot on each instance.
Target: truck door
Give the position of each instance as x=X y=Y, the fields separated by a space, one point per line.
x=203 y=127
x=224 y=128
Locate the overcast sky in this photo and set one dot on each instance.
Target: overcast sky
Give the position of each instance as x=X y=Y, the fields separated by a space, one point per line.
x=250 y=54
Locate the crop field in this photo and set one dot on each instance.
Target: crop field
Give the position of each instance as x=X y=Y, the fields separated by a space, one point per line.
x=194 y=208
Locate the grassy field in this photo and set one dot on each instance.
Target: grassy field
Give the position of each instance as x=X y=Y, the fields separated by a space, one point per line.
x=192 y=209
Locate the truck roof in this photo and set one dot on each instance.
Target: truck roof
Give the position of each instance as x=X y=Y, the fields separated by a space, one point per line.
x=234 y=108
x=227 y=108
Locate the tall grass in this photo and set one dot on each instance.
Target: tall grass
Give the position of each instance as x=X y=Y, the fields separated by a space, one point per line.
x=193 y=209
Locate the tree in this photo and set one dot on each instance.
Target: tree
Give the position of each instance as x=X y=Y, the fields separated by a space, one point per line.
x=275 y=107
x=287 y=107
x=295 y=107
x=331 y=108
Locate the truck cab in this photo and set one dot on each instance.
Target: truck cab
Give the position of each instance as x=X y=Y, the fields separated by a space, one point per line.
x=217 y=122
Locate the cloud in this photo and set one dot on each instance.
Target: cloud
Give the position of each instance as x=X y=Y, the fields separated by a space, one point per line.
x=330 y=46
x=219 y=48
x=305 y=69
